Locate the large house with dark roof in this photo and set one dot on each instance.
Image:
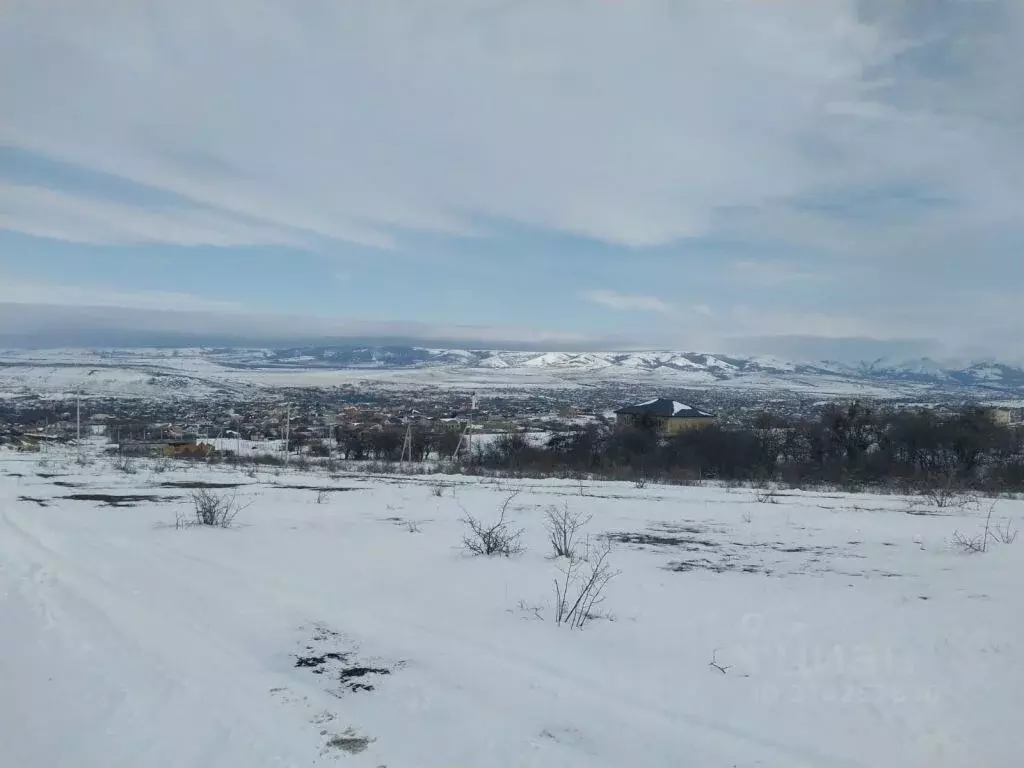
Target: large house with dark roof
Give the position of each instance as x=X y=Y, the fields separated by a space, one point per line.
x=664 y=416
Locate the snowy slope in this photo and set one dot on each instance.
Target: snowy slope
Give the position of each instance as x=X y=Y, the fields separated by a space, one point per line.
x=847 y=633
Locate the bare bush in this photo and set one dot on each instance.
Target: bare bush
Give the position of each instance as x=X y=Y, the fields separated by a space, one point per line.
x=437 y=489
x=413 y=527
x=211 y=510
x=1005 y=534
x=766 y=496
x=534 y=610
x=564 y=528
x=640 y=483
x=580 y=588
x=500 y=538
x=124 y=464
x=970 y=544
x=321 y=497
x=945 y=495
x=715 y=664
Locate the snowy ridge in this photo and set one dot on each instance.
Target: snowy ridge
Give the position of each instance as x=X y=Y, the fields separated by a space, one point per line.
x=199 y=371
x=694 y=368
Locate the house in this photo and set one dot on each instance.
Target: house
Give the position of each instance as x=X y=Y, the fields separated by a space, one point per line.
x=185 y=447
x=664 y=416
x=1006 y=417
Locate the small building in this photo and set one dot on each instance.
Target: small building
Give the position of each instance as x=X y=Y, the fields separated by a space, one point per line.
x=1006 y=417
x=664 y=416
x=185 y=447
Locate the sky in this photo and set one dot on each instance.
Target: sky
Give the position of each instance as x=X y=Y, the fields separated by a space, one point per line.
x=804 y=177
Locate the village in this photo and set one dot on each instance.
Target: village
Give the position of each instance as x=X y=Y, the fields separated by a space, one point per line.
x=302 y=416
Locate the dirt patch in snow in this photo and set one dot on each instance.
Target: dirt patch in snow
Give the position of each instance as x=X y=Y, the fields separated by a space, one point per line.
x=713 y=552
x=323 y=657
x=721 y=565
x=120 y=500
x=197 y=484
x=40 y=502
x=645 y=539
x=349 y=741
x=317 y=488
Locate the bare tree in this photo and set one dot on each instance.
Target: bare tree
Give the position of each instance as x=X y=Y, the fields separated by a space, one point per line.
x=564 y=527
x=499 y=538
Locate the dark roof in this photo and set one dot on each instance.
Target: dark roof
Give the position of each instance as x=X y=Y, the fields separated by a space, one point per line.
x=665 y=408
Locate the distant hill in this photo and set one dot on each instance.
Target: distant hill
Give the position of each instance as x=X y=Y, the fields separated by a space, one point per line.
x=688 y=367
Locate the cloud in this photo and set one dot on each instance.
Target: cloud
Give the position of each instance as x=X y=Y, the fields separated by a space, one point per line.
x=28 y=292
x=629 y=301
x=660 y=121
x=859 y=159
x=58 y=215
x=172 y=319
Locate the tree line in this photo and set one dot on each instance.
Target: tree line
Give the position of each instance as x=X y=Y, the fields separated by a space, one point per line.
x=850 y=446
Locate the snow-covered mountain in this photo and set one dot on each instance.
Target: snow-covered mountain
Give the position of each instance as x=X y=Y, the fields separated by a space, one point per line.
x=687 y=367
x=194 y=371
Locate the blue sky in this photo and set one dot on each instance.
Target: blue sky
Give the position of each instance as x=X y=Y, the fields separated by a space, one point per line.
x=698 y=174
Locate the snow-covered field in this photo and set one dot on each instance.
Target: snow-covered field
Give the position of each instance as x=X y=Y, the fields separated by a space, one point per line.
x=347 y=626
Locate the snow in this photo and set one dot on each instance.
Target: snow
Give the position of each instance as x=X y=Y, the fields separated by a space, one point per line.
x=851 y=632
x=202 y=372
x=679 y=408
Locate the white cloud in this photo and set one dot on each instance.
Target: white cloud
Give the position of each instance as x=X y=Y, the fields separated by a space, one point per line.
x=28 y=292
x=54 y=214
x=94 y=318
x=633 y=122
x=629 y=301
x=806 y=131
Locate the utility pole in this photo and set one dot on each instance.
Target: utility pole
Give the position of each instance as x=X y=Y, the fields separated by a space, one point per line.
x=407 y=443
x=469 y=432
x=466 y=438
x=288 y=434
